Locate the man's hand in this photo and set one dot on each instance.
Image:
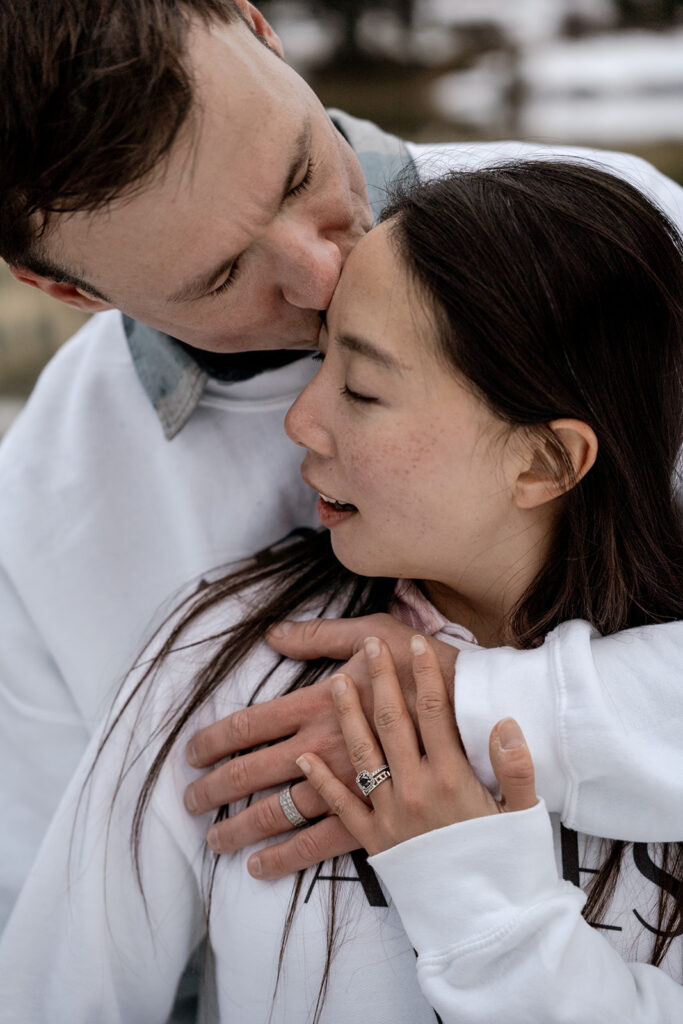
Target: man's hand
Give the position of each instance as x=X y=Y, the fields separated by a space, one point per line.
x=425 y=781
x=298 y=722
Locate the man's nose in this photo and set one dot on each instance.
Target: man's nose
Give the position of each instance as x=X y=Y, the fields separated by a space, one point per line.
x=310 y=266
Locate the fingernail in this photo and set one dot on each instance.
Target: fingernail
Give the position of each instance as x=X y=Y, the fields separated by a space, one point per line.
x=254 y=866
x=510 y=736
x=418 y=645
x=191 y=754
x=191 y=800
x=371 y=645
x=338 y=684
x=304 y=765
x=281 y=630
x=212 y=839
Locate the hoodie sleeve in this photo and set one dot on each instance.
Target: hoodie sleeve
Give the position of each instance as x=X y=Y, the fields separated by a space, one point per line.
x=500 y=936
x=602 y=717
x=83 y=943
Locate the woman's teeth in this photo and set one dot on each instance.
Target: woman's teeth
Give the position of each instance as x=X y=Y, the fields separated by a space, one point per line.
x=343 y=506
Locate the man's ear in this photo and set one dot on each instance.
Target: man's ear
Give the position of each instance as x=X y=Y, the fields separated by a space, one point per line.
x=545 y=477
x=69 y=293
x=260 y=26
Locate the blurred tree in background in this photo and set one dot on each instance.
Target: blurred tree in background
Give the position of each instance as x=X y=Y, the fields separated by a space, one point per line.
x=349 y=13
x=649 y=13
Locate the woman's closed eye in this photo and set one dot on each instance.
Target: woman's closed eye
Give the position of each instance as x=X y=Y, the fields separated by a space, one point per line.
x=354 y=396
x=345 y=391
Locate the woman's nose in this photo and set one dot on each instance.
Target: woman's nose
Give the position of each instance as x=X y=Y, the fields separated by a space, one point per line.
x=304 y=422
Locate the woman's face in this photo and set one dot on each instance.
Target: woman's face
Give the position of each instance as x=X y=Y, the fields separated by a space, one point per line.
x=391 y=431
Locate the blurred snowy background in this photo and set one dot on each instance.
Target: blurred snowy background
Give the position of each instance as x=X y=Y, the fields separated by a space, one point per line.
x=600 y=72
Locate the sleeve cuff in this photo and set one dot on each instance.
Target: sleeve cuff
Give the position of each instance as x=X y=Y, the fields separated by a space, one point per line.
x=525 y=685
x=460 y=883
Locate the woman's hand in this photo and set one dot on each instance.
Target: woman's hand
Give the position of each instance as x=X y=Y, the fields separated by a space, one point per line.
x=432 y=784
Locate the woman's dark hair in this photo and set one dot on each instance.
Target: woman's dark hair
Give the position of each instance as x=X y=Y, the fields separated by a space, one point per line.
x=557 y=291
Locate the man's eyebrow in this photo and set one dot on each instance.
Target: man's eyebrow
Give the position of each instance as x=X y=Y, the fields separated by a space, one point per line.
x=363 y=347
x=205 y=283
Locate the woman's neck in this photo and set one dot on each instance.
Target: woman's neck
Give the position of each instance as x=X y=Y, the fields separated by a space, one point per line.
x=487 y=626
x=484 y=595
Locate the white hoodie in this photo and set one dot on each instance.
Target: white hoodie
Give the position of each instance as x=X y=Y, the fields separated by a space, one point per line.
x=497 y=931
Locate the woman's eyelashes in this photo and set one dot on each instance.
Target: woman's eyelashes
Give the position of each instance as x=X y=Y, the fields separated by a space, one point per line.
x=346 y=391
x=354 y=396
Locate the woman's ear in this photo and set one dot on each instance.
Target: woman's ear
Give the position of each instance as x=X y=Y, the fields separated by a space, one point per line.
x=545 y=476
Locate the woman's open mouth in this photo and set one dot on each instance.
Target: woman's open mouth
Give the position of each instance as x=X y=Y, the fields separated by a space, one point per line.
x=332 y=511
x=344 y=506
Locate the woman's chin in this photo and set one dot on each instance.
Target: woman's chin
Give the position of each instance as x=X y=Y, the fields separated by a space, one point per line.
x=359 y=562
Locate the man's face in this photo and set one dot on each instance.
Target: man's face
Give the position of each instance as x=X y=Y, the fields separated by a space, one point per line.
x=238 y=241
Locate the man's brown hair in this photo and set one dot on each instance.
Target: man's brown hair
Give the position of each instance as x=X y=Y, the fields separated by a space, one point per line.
x=94 y=95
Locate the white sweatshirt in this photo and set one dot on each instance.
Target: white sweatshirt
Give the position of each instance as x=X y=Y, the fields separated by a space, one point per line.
x=103 y=521
x=497 y=931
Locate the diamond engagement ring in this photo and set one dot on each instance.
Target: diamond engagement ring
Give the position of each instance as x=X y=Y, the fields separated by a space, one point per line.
x=367 y=781
x=293 y=816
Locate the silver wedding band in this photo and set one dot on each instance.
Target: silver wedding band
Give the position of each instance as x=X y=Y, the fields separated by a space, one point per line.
x=293 y=816
x=367 y=781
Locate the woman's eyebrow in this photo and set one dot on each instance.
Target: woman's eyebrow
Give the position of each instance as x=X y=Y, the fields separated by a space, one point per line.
x=363 y=347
